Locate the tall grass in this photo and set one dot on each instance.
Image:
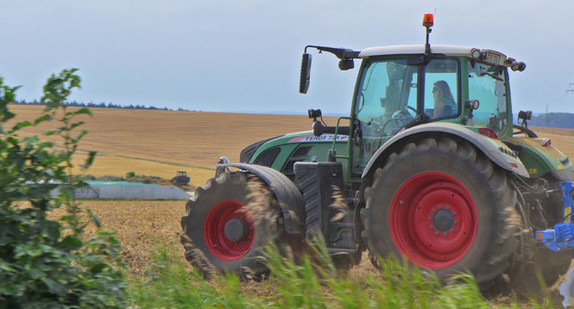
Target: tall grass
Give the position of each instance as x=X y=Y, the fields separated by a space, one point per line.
x=311 y=282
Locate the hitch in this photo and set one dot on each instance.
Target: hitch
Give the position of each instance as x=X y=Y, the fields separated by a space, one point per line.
x=562 y=235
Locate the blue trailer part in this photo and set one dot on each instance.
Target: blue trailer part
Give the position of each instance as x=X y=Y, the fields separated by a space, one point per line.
x=562 y=235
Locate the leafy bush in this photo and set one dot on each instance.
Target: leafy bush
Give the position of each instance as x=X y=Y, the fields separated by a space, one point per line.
x=46 y=263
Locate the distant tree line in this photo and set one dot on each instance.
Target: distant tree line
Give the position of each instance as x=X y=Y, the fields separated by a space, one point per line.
x=100 y=105
x=553 y=120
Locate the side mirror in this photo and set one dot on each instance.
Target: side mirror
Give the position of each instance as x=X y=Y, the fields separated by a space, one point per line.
x=346 y=64
x=305 y=73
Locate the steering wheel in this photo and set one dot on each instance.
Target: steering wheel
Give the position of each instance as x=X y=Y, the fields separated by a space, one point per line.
x=400 y=117
x=373 y=127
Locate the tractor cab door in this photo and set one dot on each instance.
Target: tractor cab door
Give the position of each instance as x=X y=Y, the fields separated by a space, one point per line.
x=385 y=101
x=390 y=94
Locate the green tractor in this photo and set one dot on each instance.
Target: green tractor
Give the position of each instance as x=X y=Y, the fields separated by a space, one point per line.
x=428 y=167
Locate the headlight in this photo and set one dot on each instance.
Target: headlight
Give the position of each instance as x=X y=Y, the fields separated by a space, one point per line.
x=518 y=66
x=476 y=54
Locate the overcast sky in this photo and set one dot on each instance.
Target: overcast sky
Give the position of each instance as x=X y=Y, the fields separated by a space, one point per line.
x=219 y=55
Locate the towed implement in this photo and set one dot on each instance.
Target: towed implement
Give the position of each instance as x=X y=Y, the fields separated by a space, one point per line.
x=428 y=167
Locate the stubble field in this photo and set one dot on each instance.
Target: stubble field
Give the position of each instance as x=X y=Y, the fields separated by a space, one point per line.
x=161 y=142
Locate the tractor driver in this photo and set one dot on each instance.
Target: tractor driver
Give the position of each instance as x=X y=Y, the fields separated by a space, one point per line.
x=444 y=104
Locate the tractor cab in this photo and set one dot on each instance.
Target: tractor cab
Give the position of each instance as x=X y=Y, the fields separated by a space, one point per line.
x=400 y=87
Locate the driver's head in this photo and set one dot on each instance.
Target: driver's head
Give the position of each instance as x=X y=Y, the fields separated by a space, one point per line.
x=442 y=90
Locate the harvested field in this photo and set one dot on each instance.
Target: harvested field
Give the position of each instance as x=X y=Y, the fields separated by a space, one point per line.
x=140 y=226
x=158 y=143
x=563 y=139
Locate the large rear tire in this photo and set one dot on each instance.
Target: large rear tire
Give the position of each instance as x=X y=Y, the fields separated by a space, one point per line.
x=228 y=223
x=444 y=207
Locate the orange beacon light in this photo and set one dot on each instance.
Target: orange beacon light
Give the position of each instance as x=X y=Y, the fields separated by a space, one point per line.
x=428 y=20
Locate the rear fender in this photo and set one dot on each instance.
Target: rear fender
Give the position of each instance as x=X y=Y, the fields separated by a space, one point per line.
x=290 y=199
x=541 y=157
x=494 y=149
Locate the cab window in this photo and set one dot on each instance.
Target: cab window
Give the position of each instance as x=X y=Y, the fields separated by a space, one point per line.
x=441 y=91
x=487 y=84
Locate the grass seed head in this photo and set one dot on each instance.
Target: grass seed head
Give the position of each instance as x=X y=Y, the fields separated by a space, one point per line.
x=260 y=199
x=339 y=206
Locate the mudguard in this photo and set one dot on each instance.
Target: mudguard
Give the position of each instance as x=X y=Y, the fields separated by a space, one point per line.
x=494 y=149
x=541 y=157
x=289 y=198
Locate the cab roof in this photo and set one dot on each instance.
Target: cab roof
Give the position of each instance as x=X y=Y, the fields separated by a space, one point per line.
x=416 y=50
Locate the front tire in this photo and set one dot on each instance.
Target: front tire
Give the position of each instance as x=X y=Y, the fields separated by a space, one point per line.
x=444 y=207
x=232 y=218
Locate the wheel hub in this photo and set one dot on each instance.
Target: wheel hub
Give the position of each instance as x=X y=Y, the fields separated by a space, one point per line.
x=229 y=230
x=236 y=229
x=443 y=220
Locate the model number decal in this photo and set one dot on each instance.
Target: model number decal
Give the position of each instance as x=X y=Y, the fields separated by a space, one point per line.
x=322 y=138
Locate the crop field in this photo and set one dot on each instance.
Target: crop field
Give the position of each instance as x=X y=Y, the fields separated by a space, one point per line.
x=151 y=142
x=159 y=143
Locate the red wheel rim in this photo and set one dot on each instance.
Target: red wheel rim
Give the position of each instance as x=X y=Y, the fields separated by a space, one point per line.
x=433 y=220
x=228 y=230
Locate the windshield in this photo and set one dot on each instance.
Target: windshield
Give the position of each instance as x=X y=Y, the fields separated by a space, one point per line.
x=388 y=90
x=386 y=102
x=487 y=84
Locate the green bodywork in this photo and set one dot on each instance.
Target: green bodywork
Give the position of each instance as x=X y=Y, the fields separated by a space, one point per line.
x=300 y=147
x=538 y=159
x=387 y=85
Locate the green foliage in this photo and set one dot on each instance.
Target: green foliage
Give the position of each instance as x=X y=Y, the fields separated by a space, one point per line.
x=310 y=282
x=46 y=263
x=130 y=176
x=172 y=285
x=107 y=178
